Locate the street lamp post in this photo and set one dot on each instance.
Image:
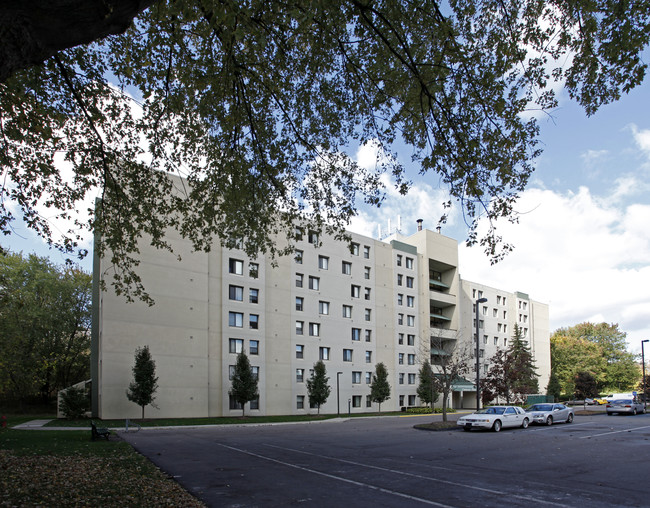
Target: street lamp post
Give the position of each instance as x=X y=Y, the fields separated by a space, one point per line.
x=645 y=403
x=338 y=408
x=478 y=365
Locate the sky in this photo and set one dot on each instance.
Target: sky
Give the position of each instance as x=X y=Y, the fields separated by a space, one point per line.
x=582 y=244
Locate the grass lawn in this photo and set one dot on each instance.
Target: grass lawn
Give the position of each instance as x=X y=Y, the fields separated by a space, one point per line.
x=66 y=468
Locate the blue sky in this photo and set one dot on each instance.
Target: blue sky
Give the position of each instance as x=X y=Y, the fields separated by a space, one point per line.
x=583 y=241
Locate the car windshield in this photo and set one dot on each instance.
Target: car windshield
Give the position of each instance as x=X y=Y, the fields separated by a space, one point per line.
x=491 y=410
x=540 y=407
x=622 y=401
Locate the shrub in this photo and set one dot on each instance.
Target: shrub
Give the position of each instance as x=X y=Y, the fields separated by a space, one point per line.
x=74 y=403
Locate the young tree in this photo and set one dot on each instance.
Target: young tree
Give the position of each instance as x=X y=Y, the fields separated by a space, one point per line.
x=45 y=315
x=145 y=383
x=427 y=387
x=317 y=386
x=450 y=360
x=380 y=387
x=227 y=97
x=554 y=389
x=244 y=382
x=585 y=386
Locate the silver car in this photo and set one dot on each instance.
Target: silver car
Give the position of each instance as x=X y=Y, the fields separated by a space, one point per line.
x=546 y=414
x=629 y=406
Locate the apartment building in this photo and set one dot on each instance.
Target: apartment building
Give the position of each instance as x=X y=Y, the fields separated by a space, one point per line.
x=350 y=305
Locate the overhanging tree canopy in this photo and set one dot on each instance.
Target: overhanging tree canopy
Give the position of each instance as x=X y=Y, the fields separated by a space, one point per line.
x=256 y=103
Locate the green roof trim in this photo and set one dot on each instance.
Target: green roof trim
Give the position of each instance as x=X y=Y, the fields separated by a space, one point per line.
x=440 y=316
x=405 y=247
x=438 y=283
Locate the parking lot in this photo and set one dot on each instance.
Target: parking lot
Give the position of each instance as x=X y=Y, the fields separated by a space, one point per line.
x=596 y=461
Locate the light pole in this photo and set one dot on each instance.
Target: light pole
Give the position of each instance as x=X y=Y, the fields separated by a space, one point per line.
x=338 y=409
x=645 y=404
x=478 y=365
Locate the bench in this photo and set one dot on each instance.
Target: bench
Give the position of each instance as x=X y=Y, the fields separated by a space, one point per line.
x=99 y=433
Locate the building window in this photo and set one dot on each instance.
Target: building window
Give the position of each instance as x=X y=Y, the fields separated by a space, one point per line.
x=254 y=347
x=496 y=341
x=355 y=291
x=368 y=401
x=324 y=353
x=236 y=293
x=499 y=326
x=356 y=401
x=399 y=260
x=299 y=233
x=505 y=327
x=400 y=338
x=400 y=319
x=368 y=356
x=255 y=371
x=299 y=279
x=366 y=293
x=254 y=270
x=504 y=299
x=401 y=378
x=300 y=402
x=411 y=379
x=368 y=378
x=312 y=237
x=410 y=301
x=401 y=400
x=411 y=340
x=347 y=311
x=300 y=375
x=255 y=403
x=235 y=345
x=410 y=320
x=411 y=400
x=300 y=351
x=495 y=312
x=233 y=404
x=253 y=321
x=324 y=308
x=323 y=262
x=485 y=339
x=498 y=299
x=485 y=310
x=299 y=303
x=346 y=268
x=411 y=359
x=300 y=326
x=505 y=342
x=298 y=257
x=409 y=282
x=399 y=279
x=368 y=335
x=366 y=252
x=314 y=283
x=236 y=266
x=366 y=272
x=347 y=355
x=400 y=358
x=253 y=295
x=231 y=371
x=236 y=319
x=409 y=263
x=356 y=333
x=400 y=299
x=354 y=249
x=356 y=377
x=368 y=314
x=314 y=329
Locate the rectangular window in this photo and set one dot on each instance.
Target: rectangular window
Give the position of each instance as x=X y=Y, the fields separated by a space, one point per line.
x=235 y=345
x=312 y=237
x=323 y=262
x=496 y=341
x=399 y=279
x=505 y=327
x=368 y=356
x=368 y=314
x=300 y=326
x=354 y=249
x=299 y=279
x=356 y=377
x=324 y=308
x=236 y=266
x=410 y=320
x=253 y=270
x=368 y=401
x=255 y=371
x=400 y=358
x=366 y=293
x=410 y=301
x=253 y=295
x=401 y=378
x=409 y=263
x=253 y=321
x=399 y=260
x=236 y=319
x=299 y=233
x=231 y=371
x=324 y=353
x=411 y=400
x=411 y=359
x=300 y=402
x=347 y=311
x=401 y=400
x=368 y=334
x=400 y=338
x=298 y=256
x=300 y=375
x=368 y=378
x=314 y=283
x=400 y=299
x=254 y=347
x=485 y=339
x=498 y=300
x=411 y=379
x=410 y=340
x=255 y=403
x=233 y=404
x=505 y=342
x=236 y=293
x=356 y=401
x=356 y=333
x=485 y=310
x=504 y=314
x=347 y=355
x=355 y=291
x=300 y=351
x=400 y=319
x=366 y=252
x=346 y=268
x=366 y=272
x=314 y=329
x=409 y=282
x=299 y=303
x=495 y=312
x=504 y=300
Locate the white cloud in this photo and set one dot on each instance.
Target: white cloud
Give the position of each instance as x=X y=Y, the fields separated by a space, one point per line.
x=584 y=256
x=641 y=138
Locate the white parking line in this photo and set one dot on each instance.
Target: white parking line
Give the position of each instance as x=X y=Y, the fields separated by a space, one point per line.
x=615 y=432
x=535 y=500
x=549 y=427
x=339 y=478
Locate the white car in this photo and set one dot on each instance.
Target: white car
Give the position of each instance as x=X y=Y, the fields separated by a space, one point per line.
x=623 y=406
x=495 y=418
x=547 y=414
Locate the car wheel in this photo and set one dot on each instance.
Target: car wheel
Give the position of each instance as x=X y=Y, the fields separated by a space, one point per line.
x=570 y=418
x=609 y=414
x=549 y=420
x=496 y=427
x=524 y=424
x=466 y=429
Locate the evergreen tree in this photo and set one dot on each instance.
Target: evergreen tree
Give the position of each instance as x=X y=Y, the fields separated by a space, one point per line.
x=317 y=386
x=554 y=388
x=145 y=383
x=427 y=388
x=586 y=385
x=244 y=383
x=380 y=388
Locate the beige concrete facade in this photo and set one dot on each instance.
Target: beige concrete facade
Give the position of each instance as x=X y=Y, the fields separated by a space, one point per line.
x=350 y=305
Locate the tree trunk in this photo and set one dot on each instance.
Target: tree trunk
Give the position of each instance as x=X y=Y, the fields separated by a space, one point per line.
x=31 y=31
x=142 y=412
